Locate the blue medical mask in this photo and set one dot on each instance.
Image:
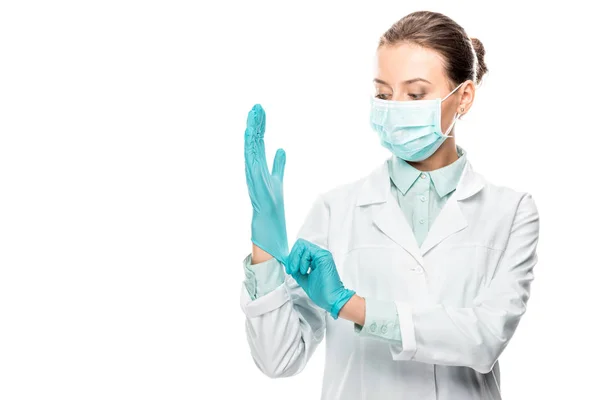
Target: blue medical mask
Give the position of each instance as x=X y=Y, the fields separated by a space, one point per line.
x=411 y=130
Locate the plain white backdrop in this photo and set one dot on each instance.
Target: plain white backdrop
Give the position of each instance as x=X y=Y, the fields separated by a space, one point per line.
x=124 y=213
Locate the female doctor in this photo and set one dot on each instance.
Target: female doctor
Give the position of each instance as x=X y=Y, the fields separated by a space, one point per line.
x=417 y=273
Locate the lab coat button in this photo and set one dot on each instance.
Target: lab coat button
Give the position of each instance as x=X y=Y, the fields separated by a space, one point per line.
x=383 y=329
x=373 y=327
x=423 y=176
x=421 y=221
x=423 y=198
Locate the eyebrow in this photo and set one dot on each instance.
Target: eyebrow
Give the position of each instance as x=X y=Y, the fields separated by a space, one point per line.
x=376 y=80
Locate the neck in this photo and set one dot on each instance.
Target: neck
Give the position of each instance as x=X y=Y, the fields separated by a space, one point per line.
x=445 y=155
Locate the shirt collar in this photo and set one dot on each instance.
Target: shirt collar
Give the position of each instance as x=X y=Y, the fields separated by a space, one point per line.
x=444 y=179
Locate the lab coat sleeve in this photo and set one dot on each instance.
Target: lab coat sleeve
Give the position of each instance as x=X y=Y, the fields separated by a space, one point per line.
x=284 y=327
x=476 y=336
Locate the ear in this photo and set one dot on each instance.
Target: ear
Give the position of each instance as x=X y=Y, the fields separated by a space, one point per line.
x=467 y=95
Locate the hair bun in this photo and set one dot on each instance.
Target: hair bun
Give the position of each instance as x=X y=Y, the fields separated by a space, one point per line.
x=480 y=53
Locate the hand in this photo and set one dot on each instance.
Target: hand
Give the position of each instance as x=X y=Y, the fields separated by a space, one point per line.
x=322 y=283
x=265 y=189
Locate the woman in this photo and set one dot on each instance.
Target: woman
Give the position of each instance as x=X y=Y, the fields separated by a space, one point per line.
x=417 y=273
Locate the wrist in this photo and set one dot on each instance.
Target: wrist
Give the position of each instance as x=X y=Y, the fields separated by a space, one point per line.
x=354 y=310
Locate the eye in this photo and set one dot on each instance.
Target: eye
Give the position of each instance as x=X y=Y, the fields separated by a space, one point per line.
x=383 y=96
x=416 y=96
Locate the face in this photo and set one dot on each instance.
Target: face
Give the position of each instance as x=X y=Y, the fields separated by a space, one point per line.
x=407 y=72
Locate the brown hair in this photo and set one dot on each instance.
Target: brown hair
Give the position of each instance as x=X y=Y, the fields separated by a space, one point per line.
x=463 y=56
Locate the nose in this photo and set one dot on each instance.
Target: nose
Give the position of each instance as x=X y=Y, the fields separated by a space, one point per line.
x=397 y=96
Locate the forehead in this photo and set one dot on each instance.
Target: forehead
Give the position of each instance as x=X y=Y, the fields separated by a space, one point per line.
x=405 y=61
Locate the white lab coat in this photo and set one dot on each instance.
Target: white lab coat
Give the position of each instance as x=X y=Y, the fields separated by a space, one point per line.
x=459 y=297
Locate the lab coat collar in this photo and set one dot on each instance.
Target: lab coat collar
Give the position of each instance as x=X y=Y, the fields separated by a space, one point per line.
x=390 y=219
x=469 y=184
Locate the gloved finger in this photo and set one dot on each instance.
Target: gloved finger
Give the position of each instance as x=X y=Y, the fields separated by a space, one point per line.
x=256 y=121
x=293 y=262
x=305 y=261
x=279 y=164
x=320 y=256
x=254 y=134
x=250 y=183
x=254 y=145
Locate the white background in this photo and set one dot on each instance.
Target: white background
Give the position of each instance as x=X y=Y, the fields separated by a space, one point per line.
x=124 y=213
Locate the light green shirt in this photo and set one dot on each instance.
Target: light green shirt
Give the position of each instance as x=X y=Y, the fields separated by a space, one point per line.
x=421 y=196
x=263 y=277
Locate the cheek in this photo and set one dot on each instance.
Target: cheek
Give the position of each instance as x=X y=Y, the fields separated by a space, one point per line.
x=448 y=113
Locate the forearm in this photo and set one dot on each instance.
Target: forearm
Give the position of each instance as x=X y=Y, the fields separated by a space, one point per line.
x=259 y=255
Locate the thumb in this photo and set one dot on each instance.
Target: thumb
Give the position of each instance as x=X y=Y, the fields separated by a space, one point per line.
x=279 y=164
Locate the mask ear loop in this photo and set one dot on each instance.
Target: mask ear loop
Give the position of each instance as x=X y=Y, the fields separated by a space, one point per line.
x=454 y=90
x=447 y=133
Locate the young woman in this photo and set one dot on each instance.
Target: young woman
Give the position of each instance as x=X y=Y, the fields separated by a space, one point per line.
x=417 y=273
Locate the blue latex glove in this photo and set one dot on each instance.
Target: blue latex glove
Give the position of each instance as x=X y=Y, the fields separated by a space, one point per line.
x=265 y=189
x=322 y=283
